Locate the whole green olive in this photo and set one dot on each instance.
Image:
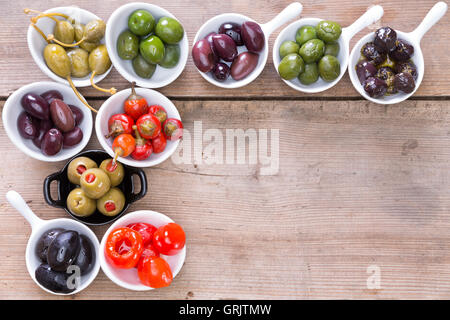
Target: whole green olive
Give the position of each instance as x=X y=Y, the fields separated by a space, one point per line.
x=127 y=45
x=99 y=61
x=288 y=47
x=142 y=68
x=328 y=31
x=332 y=49
x=329 y=68
x=312 y=50
x=57 y=60
x=64 y=31
x=79 y=62
x=141 y=22
x=94 y=30
x=86 y=45
x=169 y=30
x=310 y=75
x=171 y=56
x=291 y=66
x=152 y=49
x=304 y=34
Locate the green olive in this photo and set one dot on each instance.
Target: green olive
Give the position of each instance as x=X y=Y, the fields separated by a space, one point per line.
x=304 y=34
x=57 y=60
x=141 y=22
x=79 y=62
x=116 y=176
x=94 y=31
x=142 y=68
x=127 y=45
x=312 y=50
x=332 y=49
x=329 y=68
x=171 y=56
x=328 y=31
x=291 y=66
x=86 y=45
x=169 y=30
x=77 y=166
x=111 y=203
x=310 y=75
x=152 y=49
x=99 y=60
x=288 y=47
x=80 y=204
x=64 y=31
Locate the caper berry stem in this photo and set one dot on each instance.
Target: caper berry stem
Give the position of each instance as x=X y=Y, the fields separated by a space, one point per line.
x=48 y=15
x=51 y=37
x=110 y=91
x=79 y=95
x=40 y=32
x=27 y=11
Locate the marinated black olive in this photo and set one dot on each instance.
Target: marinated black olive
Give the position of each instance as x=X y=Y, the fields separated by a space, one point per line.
x=408 y=67
x=372 y=54
x=403 y=51
x=63 y=250
x=44 y=241
x=387 y=74
x=52 y=280
x=375 y=87
x=86 y=257
x=404 y=82
x=364 y=70
x=385 y=39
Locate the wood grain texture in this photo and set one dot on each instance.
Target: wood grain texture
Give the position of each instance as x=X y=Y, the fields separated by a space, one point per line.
x=358 y=185
x=402 y=15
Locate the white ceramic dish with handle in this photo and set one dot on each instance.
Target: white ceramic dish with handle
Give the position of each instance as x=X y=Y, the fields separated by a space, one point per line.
x=118 y=22
x=288 y=33
x=36 y=43
x=290 y=12
x=38 y=227
x=414 y=38
x=13 y=108
x=128 y=278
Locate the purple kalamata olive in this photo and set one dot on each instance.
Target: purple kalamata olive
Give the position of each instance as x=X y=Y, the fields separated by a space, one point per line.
x=233 y=30
x=404 y=82
x=408 y=67
x=221 y=71
x=211 y=43
x=364 y=70
x=203 y=56
x=403 y=51
x=225 y=46
x=52 y=94
x=370 y=51
x=27 y=126
x=77 y=114
x=44 y=126
x=252 y=36
x=35 y=105
x=375 y=87
x=61 y=115
x=385 y=39
x=52 y=142
x=63 y=250
x=243 y=65
x=53 y=280
x=72 y=137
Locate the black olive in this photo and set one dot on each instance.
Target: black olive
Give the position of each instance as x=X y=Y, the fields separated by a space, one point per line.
x=404 y=82
x=375 y=87
x=364 y=70
x=403 y=51
x=44 y=241
x=86 y=257
x=52 y=280
x=63 y=250
x=387 y=74
x=408 y=67
x=385 y=39
x=372 y=54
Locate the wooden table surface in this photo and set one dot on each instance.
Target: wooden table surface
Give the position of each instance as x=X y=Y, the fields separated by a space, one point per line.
x=360 y=186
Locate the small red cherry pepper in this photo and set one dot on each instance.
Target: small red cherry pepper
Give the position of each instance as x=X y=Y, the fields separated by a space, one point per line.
x=123 y=145
x=123 y=248
x=148 y=126
x=143 y=148
x=119 y=123
x=159 y=143
x=158 y=112
x=173 y=129
x=135 y=106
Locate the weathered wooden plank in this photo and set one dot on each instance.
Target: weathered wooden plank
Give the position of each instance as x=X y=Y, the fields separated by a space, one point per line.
x=17 y=61
x=358 y=185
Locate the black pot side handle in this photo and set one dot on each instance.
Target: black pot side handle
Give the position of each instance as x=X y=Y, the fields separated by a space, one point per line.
x=143 y=180
x=47 y=195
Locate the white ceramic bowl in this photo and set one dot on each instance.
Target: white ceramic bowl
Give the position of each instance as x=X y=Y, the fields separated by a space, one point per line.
x=36 y=43
x=114 y=105
x=128 y=278
x=40 y=226
x=118 y=22
x=13 y=108
x=213 y=24
x=288 y=33
x=433 y=16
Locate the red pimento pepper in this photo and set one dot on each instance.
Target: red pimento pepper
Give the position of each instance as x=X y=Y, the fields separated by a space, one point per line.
x=158 y=112
x=124 y=248
x=119 y=123
x=135 y=106
x=159 y=143
x=173 y=129
x=148 y=126
x=143 y=148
